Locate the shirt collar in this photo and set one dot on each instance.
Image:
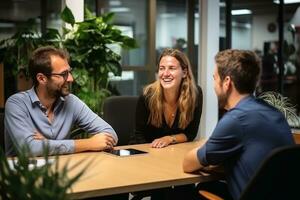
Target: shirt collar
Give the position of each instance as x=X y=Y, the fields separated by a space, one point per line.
x=35 y=99
x=33 y=96
x=244 y=101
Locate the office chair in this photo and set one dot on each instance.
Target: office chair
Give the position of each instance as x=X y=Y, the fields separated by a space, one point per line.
x=277 y=178
x=119 y=112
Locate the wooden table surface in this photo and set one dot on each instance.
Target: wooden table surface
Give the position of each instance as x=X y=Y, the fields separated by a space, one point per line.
x=107 y=174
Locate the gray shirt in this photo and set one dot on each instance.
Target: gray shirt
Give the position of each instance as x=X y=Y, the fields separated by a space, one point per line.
x=24 y=115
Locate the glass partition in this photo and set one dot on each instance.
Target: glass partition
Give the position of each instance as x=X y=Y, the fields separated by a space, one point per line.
x=131 y=18
x=291 y=53
x=171 y=25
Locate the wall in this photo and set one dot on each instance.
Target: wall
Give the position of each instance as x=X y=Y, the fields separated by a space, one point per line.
x=209 y=45
x=241 y=38
x=260 y=32
x=170 y=28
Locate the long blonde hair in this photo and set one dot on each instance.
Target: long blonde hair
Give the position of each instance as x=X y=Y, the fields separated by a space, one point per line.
x=187 y=95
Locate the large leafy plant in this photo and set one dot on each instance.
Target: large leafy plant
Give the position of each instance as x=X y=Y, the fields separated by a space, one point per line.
x=92 y=58
x=21 y=179
x=16 y=50
x=90 y=46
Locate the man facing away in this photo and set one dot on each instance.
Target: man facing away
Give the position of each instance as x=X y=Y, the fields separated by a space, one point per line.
x=250 y=129
x=47 y=112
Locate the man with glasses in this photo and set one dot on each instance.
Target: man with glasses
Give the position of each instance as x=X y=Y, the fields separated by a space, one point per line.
x=45 y=114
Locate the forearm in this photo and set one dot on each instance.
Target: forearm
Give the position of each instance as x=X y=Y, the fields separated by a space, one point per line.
x=179 y=138
x=98 y=142
x=82 y=145
x=168 y=140
x=39 y=147
x=191 y=162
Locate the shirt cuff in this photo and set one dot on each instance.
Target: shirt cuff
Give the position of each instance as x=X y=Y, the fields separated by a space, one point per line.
x=201 y=154
x=62 y=147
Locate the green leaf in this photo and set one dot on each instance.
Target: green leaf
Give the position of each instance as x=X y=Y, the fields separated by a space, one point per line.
x=129 y=43
x=67 y=16
x=108 y=17
x=88 y=14
x=49 y=181
x=283 y=104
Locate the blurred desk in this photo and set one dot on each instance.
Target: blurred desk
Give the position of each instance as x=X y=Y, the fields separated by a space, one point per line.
x=296 y=135
x=109 y=174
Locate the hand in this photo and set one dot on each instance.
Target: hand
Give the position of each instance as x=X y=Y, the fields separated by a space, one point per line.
x=161 y=142
x=38 y=136
x=101 y=141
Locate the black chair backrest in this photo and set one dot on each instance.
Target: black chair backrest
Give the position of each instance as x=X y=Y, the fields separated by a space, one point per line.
x=2 y=130
x=119 y=112
x=277 y=178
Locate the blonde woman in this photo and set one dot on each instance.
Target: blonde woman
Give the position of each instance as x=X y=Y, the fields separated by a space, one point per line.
x=170 y=108
x=168 y=112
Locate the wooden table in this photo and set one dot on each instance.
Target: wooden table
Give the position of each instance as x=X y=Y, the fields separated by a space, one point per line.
x=296 y=135
x=109 y=174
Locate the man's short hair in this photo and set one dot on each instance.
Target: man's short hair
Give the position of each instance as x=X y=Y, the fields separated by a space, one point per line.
x=40 y=61
x=242 y=66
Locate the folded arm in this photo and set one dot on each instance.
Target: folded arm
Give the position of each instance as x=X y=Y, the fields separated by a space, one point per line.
x=20 y=130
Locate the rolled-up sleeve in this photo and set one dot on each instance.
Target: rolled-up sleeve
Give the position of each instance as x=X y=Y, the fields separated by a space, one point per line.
x=224 y=142
x=90 y=121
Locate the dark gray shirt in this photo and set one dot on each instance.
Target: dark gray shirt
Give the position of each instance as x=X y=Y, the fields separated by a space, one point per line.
x=24 y=115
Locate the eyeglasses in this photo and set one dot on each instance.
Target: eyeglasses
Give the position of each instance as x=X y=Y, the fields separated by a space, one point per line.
x=64 y=74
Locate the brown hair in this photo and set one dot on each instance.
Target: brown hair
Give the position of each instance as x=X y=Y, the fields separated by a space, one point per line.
x=187 y=95
x=40 y=61
x=242 y=66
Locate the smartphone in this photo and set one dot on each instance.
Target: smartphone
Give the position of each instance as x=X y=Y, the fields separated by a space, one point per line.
x=126 y=152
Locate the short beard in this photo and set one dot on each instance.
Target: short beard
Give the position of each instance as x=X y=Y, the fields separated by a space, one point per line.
x=64 y=91
x=57 y=93
x=222 y=100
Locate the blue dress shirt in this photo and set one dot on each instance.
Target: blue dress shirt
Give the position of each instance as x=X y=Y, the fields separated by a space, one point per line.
x=24 y=115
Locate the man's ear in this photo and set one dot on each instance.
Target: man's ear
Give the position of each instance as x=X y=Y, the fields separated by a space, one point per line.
x=41 y=78
x=227 y=83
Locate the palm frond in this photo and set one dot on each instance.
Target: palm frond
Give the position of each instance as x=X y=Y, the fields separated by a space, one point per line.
x=284 y=105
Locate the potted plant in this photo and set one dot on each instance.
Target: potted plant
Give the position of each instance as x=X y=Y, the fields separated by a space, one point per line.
x=283 y=105
x=90 y=46
x=21 y=178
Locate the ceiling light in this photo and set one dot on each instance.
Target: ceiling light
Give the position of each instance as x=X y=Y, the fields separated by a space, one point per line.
x=241 y=12
x=119 y=9
x=287 y=1
x=114 y=3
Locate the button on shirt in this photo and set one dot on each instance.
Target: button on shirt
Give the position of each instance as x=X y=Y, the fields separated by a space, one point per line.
x=25 y=115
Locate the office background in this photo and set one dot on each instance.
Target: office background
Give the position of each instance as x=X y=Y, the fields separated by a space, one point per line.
x=199 y=28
